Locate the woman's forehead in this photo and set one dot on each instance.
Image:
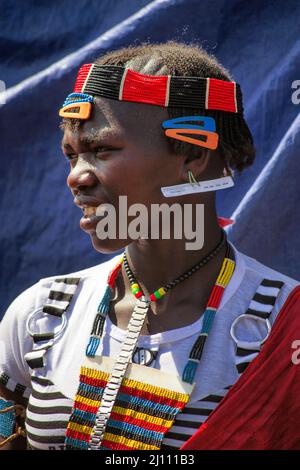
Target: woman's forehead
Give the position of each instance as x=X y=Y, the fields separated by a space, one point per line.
x=128 y=115
x=122 y=120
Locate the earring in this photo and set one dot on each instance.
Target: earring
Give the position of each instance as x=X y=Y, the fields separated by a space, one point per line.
x=192 y=179
x=196 y=187
x=227 y=171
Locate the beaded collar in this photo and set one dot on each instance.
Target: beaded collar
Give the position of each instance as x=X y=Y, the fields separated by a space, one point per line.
x=125 y=406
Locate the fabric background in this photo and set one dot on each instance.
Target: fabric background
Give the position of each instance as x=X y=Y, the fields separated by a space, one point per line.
x=43 y=43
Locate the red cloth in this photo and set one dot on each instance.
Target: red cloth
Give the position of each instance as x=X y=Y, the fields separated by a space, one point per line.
x=262 y=410
x=223 y=222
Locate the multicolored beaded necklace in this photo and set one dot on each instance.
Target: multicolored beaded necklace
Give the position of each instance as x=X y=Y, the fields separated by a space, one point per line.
x=104 y=305
x=159 y=293
x=112 y=411
x=211 y=307
x=209 y=314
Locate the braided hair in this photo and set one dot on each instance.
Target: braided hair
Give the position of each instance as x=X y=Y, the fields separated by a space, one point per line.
x=174 y=58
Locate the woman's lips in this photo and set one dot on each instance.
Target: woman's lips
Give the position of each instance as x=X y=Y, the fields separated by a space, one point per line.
x=89 y=206
x=89 y=220
x=89 y=211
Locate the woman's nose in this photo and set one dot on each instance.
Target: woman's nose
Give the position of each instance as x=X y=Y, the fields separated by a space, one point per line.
x=81 y=176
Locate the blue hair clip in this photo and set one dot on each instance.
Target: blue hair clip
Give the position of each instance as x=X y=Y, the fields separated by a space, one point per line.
x=178 y=128
x=207 y=123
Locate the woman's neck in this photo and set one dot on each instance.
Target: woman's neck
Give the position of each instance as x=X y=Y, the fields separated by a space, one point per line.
x=156 y=262
x=154 y=265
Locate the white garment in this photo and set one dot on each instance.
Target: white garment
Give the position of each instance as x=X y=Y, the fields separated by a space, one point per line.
x=217 y=367
x=216 y=370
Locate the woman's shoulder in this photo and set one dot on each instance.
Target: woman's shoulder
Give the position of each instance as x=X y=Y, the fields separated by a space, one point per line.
x=260 y=283
x=35 y=296
x=99 y=270
x=255 y=267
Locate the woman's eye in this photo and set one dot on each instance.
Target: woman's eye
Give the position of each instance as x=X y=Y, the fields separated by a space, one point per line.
x=102 y=149
x=97 y=150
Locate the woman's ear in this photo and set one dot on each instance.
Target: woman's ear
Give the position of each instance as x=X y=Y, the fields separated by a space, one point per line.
x=202 y=166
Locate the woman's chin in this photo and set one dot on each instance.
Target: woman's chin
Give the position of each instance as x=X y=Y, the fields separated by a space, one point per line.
x=108 y=245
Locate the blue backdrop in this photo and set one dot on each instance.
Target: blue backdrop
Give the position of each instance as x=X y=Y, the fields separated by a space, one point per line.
x=43 y=43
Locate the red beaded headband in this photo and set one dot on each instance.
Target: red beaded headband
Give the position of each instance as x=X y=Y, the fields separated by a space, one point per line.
x=119 y=83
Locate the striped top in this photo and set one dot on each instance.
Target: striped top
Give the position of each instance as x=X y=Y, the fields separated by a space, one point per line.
x=51 y=381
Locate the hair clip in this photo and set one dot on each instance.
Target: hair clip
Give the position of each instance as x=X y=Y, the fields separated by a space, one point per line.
x=178 y=127
x=77 y=105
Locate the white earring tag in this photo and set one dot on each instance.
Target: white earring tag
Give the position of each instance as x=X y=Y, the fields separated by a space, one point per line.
x=201 y=187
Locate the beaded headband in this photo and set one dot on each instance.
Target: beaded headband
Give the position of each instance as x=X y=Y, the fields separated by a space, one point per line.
x=119 y=83
x=123 y=84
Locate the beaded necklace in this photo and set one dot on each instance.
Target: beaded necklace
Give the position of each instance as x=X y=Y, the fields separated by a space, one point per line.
x=211 y=307
x=123 y=406
x=104 y=305
x=209 y=314
x=159 y=293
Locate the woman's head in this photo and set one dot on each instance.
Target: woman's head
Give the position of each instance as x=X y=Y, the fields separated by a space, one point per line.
x=139 y=159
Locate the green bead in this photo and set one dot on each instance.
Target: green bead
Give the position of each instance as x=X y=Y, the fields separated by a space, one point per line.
x=136 y=290
x=157 y=294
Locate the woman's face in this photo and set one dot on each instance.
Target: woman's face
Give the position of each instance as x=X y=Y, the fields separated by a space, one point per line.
x=120 y=151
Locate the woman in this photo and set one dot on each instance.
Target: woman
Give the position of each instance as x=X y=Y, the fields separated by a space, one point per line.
x=145 y=367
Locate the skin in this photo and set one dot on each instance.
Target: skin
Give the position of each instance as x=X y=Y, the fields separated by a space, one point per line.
x=122 y=150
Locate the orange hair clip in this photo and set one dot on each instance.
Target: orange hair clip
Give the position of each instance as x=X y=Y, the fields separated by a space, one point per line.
x=211 y=142
x=80 y=110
